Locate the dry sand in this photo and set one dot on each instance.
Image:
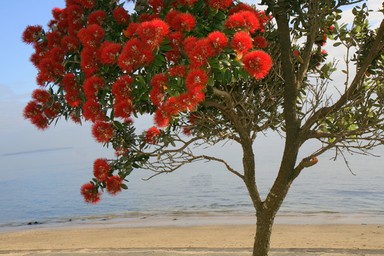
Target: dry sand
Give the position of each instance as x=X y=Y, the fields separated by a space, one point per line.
x=193 y=240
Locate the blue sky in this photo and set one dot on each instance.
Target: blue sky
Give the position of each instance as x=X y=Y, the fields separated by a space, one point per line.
x=17 y=81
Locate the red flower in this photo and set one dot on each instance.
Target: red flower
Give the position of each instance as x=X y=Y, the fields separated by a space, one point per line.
x=70 y=43
x=187 y=3
x=195 y=97
x=89 y=61
x=41 y=96
x=102 y=131
x=219 y=4
x=153 y=32
x=257 y=64
x=244 y=20
x=97 y=17
x=180 y=21
x=40 y=50
x=171 y=16
x=50 y=70
x=241 y=7
x=134 y=56
x=75 y=118
x=101 y=169
x=69 y=81
x=123 y=108
x=92 y=85
x=57 y=13
x=89 y=4
x=196 y=79
x=201 y=52
x=218 y=40
x=110 y=52
x=32 y=34
x=260 y=42
x=173 y=55
x=178 y=71
x=32 y=109
x=121 y=89
x=131 y=30
x=113 y=184
x=157 y=5
x=296 y=53
x=56 y=54
x=40 y=121
x=158 y=83
x=189 y=43
x=175 y=39
x=92 y=111
x=91 y=36
x=172 y=106
x=52 y=111
x=121 y=16
x=241 y=42
x=162 y=118
x=75 y=18
x=148 y=17
x=54 y=39
x=90 y=193
x=151 y=135
x=73 y=98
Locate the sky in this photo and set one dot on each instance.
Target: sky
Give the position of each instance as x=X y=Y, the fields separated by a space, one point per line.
x=17 y=81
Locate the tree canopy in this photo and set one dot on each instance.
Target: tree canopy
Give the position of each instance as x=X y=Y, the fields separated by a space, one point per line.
x=210 y=71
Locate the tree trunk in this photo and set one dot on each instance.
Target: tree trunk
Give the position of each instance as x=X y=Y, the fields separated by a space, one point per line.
x=263 y=234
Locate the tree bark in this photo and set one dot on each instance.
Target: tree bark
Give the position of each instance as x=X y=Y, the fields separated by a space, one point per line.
x=264 y=225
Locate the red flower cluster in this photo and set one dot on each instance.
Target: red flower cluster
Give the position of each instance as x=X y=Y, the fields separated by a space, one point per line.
x=72 y=90
x=32 y=34
x=219 y=4
x=242 y=42
x=151 y=135
x=109 y=52
x=97 y=17
x=180 y=21
x=260 y=42
x=246 y=20
x=121 y=16
x=90 y=193
x=135 y=55
x=157 y=5
x=92 y=86
x=101 y=169
x=195 y=84
x=41 y=109
x=257 y=64
x=102 y=131
x=113 y=184
x=152 y=32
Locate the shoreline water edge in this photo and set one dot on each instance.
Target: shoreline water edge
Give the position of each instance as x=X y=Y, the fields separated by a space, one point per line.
x=193 y=219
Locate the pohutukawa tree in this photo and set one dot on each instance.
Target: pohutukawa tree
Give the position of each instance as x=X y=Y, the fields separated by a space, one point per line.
x=210 y=71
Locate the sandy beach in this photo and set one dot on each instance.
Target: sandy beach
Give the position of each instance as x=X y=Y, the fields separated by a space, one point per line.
x=193 y=240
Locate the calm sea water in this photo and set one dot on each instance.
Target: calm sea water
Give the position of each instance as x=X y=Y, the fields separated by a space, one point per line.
x=43 y=186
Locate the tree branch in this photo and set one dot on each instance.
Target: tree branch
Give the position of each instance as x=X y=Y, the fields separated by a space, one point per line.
x=210 y=158
x=372 y=54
